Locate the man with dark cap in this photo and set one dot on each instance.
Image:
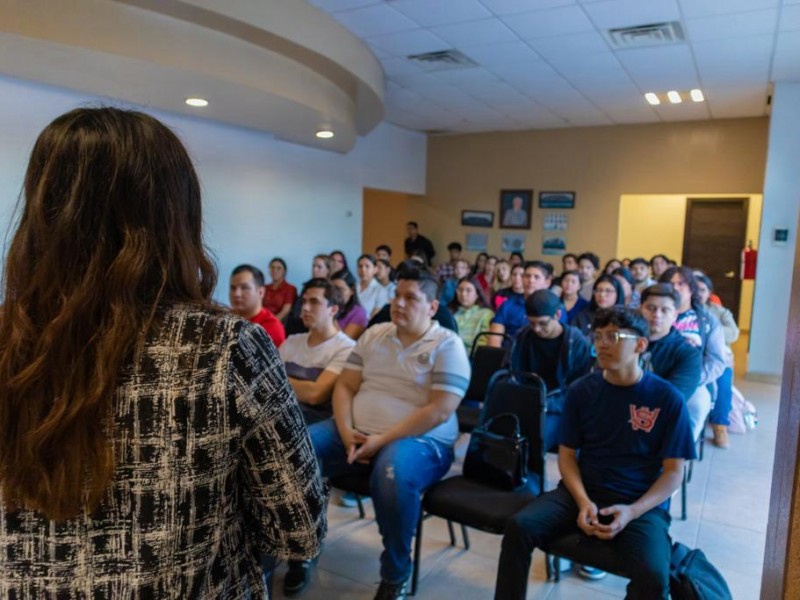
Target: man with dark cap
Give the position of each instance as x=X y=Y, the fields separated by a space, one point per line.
x=558 y=353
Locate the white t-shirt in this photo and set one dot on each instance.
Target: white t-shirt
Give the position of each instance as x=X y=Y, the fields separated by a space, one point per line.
x=373 y=298
x=308 y=362
x=396 y=381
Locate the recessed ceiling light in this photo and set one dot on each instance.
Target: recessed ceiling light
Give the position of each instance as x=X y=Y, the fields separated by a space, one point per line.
x=674 y=97
x=652 y=98
x=324 y=134
x=198 y=102
x=697 y=95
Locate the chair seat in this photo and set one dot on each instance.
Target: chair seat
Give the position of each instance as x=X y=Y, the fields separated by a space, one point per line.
x=468 y=417
x=358 y=484
x=585 y=550
x=474 y=504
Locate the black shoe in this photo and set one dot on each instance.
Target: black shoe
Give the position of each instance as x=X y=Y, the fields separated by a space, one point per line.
x=297 y=577
x=392 y=591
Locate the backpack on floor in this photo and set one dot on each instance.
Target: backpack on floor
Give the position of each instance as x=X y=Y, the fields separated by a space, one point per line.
x=743 y=416
x=693 y=577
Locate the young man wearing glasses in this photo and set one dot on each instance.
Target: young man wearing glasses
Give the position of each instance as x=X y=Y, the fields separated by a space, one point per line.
x=625 y=434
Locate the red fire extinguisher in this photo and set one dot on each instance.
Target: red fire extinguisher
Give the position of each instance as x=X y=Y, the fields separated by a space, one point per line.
x=749 y=259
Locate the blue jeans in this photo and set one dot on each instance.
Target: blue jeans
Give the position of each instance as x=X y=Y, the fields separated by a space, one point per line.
x=720 y=414
x=399 y=473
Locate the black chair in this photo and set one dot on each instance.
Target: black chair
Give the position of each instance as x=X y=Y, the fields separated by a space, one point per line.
x=474 y=504
x=486 y=361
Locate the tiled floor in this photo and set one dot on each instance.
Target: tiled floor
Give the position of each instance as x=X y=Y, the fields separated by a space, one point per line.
x=728 y=507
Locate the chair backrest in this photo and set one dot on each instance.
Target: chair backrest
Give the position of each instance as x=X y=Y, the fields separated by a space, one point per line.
x=486 y=361
x=524 y=394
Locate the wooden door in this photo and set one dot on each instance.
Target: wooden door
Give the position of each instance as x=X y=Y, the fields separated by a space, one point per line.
x=713 y=241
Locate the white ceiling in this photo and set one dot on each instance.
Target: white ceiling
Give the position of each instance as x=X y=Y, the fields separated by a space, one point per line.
x=547 y=63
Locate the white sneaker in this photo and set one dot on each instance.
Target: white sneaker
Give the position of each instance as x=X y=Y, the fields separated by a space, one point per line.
x=591 y=573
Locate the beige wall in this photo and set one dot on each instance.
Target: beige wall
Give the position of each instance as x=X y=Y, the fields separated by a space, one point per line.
x=385 y=217
x=599 y=163
x=669 y=211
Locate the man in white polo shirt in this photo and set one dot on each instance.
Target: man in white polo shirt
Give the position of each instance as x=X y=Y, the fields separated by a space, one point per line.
x=394 y=417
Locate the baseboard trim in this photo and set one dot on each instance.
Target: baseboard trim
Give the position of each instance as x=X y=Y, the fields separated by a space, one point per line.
x=763 y=377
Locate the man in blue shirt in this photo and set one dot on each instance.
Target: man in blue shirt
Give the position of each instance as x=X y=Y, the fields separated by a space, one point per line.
x=625 y=434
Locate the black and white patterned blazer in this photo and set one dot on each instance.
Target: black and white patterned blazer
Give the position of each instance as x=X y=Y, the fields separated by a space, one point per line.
x=213 y=466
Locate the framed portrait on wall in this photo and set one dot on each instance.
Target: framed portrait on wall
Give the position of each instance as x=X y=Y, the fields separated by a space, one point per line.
x=515 y=209
x=556 y=199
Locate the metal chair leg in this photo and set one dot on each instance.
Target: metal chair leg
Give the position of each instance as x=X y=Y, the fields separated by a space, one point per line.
x=417 y=555
x=465 y=535
x=557 y=568
x=684 y=485
x=452 y=532
x=361 y=513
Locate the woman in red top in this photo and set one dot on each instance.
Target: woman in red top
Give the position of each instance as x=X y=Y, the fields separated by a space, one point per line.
x=279 y=295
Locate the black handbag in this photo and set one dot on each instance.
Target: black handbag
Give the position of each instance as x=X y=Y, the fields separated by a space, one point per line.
x=498 y=453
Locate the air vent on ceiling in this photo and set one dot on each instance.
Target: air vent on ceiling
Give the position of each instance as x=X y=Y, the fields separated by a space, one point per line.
x=654 y=34
x=444 y=59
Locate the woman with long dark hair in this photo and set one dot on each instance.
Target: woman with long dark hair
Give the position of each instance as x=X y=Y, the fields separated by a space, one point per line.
x=606 y=292
x=352 y=319
x=144 y=430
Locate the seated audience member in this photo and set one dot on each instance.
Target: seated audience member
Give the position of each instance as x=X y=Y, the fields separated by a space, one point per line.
x=446 y=270
x=607 y=292
x=658 y=264
x=511 y=317
x=385 y=276
x=418 y=244
x=471 y=312
x=514 y=287
x=384 y=252
x=443 y=315
x=502 y=276
x=246 y=295
x=151 y=443
x=352 y=318
x=321 y=266
x=314 y=360
x=588 y=264
x=558 y=353
x=626 y=262
x=702 y=330
x=625 y=279
x=480 y=262
x=570 y=297
x=611 y=266
x=720 y=414
x=569 y=262
x=371 y=294
x=447 y=289
x=338 y=261
x=640 y=269
x=394 y=417
x=486 y=278
x=516 y=259
x=625 y=435
x=279 y=294
x=669 y=355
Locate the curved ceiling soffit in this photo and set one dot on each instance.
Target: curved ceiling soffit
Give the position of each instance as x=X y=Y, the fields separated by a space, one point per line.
x=281 y=67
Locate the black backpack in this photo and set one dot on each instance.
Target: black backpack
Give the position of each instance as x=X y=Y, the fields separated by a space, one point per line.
x=693 y=577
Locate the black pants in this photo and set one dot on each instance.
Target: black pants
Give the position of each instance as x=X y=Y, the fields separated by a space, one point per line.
x=643 y=547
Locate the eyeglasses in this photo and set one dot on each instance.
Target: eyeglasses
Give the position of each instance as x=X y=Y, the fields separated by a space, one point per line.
x=612 y=337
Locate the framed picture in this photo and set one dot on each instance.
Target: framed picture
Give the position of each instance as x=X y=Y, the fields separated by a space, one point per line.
x=477 y=242
x=515 y=209
x=477 y=218
x=554 y=244
x=514 y=242
x=556 y=199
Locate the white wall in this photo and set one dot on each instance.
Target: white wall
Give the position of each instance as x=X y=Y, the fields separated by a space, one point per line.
x=262 y=197
x=781 y=202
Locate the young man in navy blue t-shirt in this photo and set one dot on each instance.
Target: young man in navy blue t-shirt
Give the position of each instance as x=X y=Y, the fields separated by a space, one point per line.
x=625 y=434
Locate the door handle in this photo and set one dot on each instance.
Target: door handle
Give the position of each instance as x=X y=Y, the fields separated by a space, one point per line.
x=730 y=275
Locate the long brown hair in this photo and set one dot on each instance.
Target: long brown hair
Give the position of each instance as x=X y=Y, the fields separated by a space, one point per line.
x=110 y=232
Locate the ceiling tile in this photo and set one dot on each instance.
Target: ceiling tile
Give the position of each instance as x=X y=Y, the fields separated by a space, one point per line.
x=686 y=111
x=500 y=93
x=640 y=114
x=575 y=44
x=734 y=25
x=400 y=66
x=501 y=54
x=548 y=23
x=660 y=68
x=460 y=76
x=441 y=12
x=745 y=60
x=704 y=8
x=509 y=7
x=574 y=64
x=786 y=64
x=333 y=5
x=612 y=14
x=475 y=33
x=737 y=102
x=790 y=18
x=374 y=20
x=416 y=80
x=588 y=117
x=405 y=43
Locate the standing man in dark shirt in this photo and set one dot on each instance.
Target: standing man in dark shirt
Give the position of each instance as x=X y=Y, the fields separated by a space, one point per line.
x=558 y=353
x=418 y=243
x=625 y=434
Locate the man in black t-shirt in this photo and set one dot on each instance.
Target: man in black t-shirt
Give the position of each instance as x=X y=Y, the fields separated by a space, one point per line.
x=558 y=353
x=416 y=243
